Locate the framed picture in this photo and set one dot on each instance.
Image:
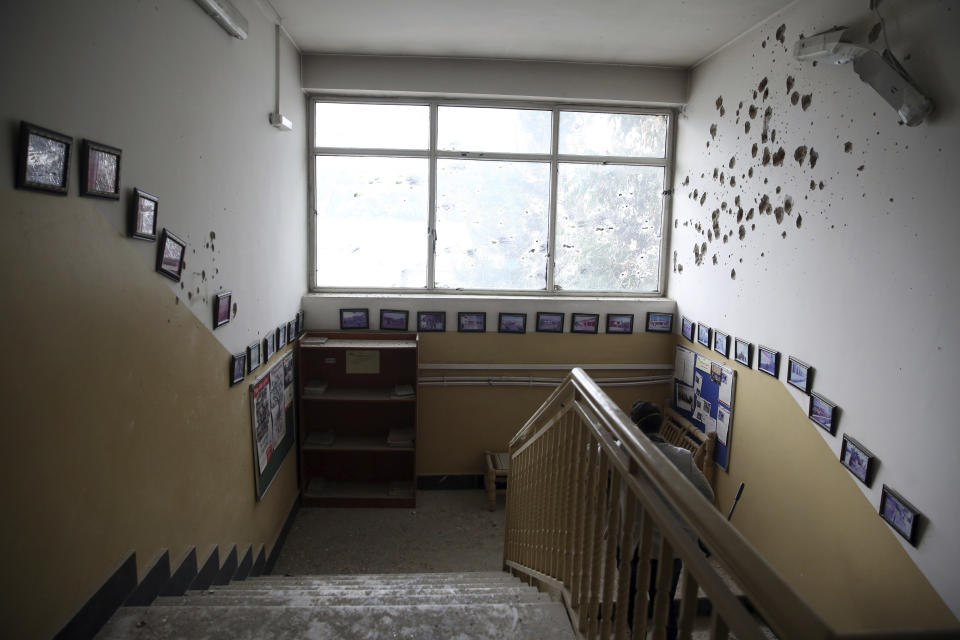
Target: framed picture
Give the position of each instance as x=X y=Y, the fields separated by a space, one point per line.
x=221 y=309
x=352 y=319
x=799 y=374
x=584 y=322
x=170 y=253
x=620 y=323
x=472 y=321
x=768 y=361
x=238 y=366
x=704 y=334
x=659 y=322
x=512 y=323
x=823 y=412
x=291 y=331
x=99 y=170
x=300 y=319
x=743 y=352
x=549 y=322
x=142 y=221
x=43 y=159
x=687 y=327
x=394 y=319
x=269 y=346
x=855 y=457
x=899 y=514
x=721 y=343
x=253 y=357
x=281 y=336
x=431 y=320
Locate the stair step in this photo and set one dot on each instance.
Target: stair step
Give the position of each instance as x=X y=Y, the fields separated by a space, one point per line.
x=422 y=578
x=401 y=587
x=523 y=621
x=348 y=600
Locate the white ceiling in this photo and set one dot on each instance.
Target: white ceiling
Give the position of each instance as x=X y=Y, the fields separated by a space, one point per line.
x=649 y=32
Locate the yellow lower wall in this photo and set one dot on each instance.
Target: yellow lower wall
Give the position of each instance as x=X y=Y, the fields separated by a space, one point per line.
x=120 y=430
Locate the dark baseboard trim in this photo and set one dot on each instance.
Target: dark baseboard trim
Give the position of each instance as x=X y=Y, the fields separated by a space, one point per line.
x=245 y=566
x=149 y=587
x=259 y=563
x=181 y=579
x=95 y=612
x=278 y=545
x=228 y=568
x=208 y=572
x=448 y=482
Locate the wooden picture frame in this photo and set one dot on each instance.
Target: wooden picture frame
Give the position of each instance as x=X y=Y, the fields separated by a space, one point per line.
x=170 y=252
x=799 y=374
x=659 y=322
x=238 y=366
x=221 y=308
x=687 y=328
x=431 y=321
x=768 y=361
x=823 y=413
x=43 y=159
x=743 y=352
x=352 y=319
x=512 y=323
x=704 y=335
x=472 y=321
x=721 y=343
x=550 y=322
x=99 y=170
x=619 y=323
x=253 y=357
x=394 y=319
x=900 y=514
x=858 y=460
x=584 y=323
x=142 y=220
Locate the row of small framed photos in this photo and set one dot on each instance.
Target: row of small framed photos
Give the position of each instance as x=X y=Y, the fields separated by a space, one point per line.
x=857 y=459
x=261 y=351
x=476 y=321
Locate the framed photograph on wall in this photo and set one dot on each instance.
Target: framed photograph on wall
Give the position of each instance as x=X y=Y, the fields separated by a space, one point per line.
x=659 y=322
x=512 y=323
x=768 y=361
x=300 y=321
x=704 y=335
x=687 y=328
x=471 y=321
x=142 y=221
x=858 y=461
x=721 y=343
x=99 y=170
x=253 y=357
x=431 y=320
x=352 y=319
x=823 y=412
x=170 y=251
x=43 y=159
x=281 y=336
x=221 y=308
x=238 y=365
x=799 y=374
x=394 y=319
x=291 y=330
x=743 y=352
x=900 y=514
x=549 y=322
x=584 y=323
x=269 y=345
x=619 y=323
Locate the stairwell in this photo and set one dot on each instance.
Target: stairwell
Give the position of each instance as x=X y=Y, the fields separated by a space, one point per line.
x=464 y=606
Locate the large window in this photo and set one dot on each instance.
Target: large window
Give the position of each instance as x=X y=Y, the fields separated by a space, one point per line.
x=443 y=196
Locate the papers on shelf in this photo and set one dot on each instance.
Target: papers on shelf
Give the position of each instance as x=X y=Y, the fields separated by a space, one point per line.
x=403 y=391
x=400 y=437
x=313 y=342
x=321 y=438
x=314 y=389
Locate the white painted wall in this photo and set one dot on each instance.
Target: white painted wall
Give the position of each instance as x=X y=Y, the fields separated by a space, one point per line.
x=866 y=289
x=188 y=105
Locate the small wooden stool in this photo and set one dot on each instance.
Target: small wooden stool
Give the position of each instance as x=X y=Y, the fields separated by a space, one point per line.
x=498 y=465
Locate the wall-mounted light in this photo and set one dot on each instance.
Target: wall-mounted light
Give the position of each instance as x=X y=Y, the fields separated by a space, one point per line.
x=226 y=16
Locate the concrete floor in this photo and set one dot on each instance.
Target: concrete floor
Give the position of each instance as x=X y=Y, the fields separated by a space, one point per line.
x=448 y=531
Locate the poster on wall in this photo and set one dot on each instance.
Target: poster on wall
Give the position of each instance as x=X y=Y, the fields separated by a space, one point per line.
x=272 y=421
x=704 y=391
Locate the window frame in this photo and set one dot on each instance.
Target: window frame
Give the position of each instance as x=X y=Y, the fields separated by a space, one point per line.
x=432 y=155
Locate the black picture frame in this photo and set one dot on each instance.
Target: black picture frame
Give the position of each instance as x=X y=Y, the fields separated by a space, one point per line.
x=238 y=368
x=584 y=323
x=768 y=361
x=659 y=322
x=743 y=352
x=721 y=343
x=142 y=220
x=510 y=322
x=394 y=319
x=253 y=357
x=799 y=374
x=900 y=514
x=704 y=335
x=99 y=170
x=431 y=321
x=353 y=319
x=291 y=330
x=43 y=159
x=858 y=460
x=619 y=323
x=221 y=308
x=550 y=322
x=472 y=321
x=823 y=413
x=300 y=319
x=687 y=328
x=170 y=252
x=269 y=345
x=281 y=336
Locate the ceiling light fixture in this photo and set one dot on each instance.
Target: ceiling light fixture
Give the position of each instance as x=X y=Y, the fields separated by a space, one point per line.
x=226 y=16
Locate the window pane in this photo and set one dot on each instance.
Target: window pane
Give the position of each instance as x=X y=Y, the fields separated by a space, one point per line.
x=371 y=222
x=609 y=220
x=492 y=224
x=373 y=126
x=486 y=129
x=613 y=134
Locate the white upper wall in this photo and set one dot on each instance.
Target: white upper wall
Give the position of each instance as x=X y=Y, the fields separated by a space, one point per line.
x=188 y=105
x=859 y=279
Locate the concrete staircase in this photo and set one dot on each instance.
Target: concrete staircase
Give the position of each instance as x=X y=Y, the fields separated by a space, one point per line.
x=464 y=606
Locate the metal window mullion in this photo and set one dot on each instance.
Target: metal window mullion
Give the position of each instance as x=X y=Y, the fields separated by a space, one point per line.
x=552 y=208
x=432 y=201
x=614 y=160
x=503 y=157
x=312 y=268
x=372 y=153
x=666 y=207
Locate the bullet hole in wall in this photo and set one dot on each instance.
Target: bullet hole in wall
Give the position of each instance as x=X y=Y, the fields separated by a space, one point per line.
x=799 y=221
x=800 y=154
x=794 y=98
x=805 y=101
x=781 y=30
x=754 y=149
x=814 y=156
x=847 y=147
x=713 y=130
x=789 y=83
x=778 y=157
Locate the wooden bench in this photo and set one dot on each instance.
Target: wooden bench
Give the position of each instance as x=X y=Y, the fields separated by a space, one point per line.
x=676 y=430
x=498 y=466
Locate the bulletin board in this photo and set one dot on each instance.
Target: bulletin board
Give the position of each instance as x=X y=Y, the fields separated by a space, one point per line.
x=703 y=393
x=272 y=419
